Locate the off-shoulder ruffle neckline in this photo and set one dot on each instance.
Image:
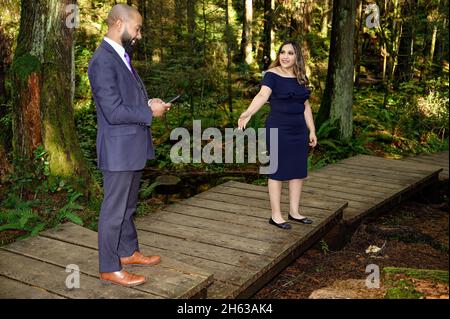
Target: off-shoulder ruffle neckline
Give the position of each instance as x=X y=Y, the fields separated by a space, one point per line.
x=285 y=77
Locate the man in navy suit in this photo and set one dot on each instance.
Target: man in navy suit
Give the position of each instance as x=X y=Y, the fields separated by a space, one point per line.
x=124 y=144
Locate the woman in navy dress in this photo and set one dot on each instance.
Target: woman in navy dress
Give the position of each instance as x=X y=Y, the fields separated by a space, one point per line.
x=285 y=86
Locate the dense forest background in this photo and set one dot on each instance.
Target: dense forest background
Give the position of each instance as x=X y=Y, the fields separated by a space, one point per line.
x=380 y=86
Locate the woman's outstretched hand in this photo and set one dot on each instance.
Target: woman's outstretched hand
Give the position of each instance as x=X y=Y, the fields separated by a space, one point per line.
x=243 y=120
x=312 y=139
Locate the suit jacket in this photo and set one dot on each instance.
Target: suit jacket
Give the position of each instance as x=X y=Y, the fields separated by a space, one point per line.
x=124 y=140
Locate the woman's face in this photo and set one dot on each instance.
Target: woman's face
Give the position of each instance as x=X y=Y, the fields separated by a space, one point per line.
x=287 y=56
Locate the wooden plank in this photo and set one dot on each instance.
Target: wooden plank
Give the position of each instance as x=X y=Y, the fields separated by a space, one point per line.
x=307 y=186
x=207 y=251
x=394 y=172
x=222 y=290
x=442 y=155
x=426 y=161
x=417 y=165
x=231 y=214
x=237 y=243
x=168 y=284
x=326 y=184
x=420 y=167
x=239 y=231
x=255 y=203
x=77 y=235
x=380 y=172
x=397 y=165
x=13 y=289
x=53 y=278
x=369 y=175
x=262 y=214
x=341 y=195
x=258 y=193
x=358 y=180
x=224 y=272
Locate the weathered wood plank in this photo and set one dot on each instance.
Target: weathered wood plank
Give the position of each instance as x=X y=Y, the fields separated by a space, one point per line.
x=249 y=195
x=243 y=209
x=427 y=161
x=255 y=203
x=369 y=175
x=202 y=250
x=199 y=235
x=224 y=272
x=357 y=180
x=222 y=290
x=77 y=235
x=233 y=214
x=168 y=284
x=13 y=289
x=53 y=279
x=333 y=185
x=216 y=226
x=377 y=172
x=310 y=187
x=314 y=200
x=397 y=166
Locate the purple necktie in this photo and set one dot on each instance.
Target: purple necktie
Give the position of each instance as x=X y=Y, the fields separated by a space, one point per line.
x=127 y=57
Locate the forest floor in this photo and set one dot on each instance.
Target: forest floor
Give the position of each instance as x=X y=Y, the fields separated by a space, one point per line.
x=413 y=235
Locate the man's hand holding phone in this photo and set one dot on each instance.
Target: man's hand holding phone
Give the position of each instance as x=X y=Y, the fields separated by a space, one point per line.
x=159 y=107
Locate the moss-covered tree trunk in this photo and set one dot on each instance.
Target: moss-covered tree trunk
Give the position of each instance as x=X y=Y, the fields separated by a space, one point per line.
x=43 y=84
x=337 y=99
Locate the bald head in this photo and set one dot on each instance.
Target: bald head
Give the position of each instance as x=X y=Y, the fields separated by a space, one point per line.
x=124 y=26
x=121 y=12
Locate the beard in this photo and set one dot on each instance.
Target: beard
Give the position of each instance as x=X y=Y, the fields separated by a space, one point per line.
x=128 y=43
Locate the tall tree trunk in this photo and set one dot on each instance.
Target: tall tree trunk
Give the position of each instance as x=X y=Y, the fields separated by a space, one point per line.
x=337 y=99
x=358 y=41
x=161 y=30
x=43 y=81
x=246 y=43
x=190 y=11
x=405 y=51
x=325 y=14
x=396 y=32
x=179 y=20
x=228 y=40
x=267 y=33
x=301 y=26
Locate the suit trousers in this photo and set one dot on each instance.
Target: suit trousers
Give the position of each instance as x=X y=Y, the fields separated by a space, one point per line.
x=117 y=236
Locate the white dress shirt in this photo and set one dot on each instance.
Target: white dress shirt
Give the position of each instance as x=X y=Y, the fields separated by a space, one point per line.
x=119 y=49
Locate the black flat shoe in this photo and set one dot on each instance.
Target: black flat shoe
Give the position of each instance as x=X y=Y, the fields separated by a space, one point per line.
x=301 y=220
x=280 y=225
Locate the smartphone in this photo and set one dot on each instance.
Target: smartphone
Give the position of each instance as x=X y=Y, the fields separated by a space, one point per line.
x=174 y=99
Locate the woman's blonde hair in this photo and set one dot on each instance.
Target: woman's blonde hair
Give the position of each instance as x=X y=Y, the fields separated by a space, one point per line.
x=299 y=66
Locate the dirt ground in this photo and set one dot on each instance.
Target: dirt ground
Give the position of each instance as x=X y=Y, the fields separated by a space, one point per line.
x=413 y=234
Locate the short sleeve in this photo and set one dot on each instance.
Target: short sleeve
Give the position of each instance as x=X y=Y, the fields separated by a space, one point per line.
x=308 y=93
x=268 y=80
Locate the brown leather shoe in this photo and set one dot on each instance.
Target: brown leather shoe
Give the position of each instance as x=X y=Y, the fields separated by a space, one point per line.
x=137 y=259
x=121 y=278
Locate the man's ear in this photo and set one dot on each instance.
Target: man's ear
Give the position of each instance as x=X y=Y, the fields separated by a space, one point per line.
x=119 y=24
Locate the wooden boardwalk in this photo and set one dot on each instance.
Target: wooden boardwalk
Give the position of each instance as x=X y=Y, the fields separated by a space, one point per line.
x=371 y=184
x=438 y=160
x=218 y=243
